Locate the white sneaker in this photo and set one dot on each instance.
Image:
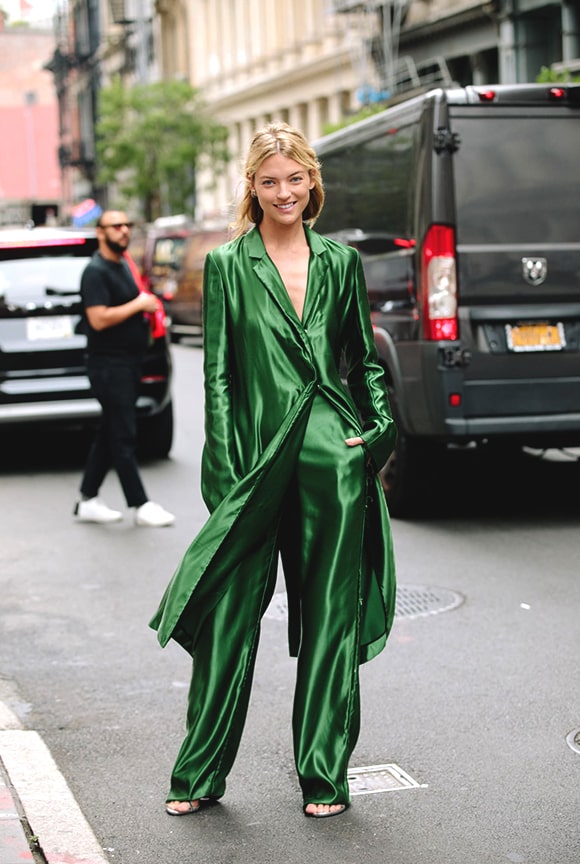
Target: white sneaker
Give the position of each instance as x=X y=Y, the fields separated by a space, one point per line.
x=152 y=515
x=95 y=510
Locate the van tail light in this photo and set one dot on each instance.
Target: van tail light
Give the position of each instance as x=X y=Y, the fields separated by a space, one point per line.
x=557 y=94
x=439 y=284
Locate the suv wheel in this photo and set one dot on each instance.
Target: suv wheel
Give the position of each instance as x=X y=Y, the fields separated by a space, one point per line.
x=156 y=434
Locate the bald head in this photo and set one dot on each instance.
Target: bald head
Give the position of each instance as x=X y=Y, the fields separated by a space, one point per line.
x=113 y=233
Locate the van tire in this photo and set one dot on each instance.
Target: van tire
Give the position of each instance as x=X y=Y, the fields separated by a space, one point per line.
x=407 y=477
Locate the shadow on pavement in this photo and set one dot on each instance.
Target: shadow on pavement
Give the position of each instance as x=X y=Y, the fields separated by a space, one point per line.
x=509 y=485
x=39 y=448
x=461 y=483
x=42 y=447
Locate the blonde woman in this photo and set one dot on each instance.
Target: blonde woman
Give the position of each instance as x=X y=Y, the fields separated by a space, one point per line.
x=289 y=467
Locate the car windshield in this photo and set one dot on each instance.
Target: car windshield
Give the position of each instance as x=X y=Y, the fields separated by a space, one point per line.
x=40 y=276
x=169 y=252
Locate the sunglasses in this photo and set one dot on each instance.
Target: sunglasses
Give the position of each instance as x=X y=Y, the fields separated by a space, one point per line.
x=119 y=225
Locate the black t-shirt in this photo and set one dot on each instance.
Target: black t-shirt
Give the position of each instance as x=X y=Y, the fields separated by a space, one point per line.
x=106 y=283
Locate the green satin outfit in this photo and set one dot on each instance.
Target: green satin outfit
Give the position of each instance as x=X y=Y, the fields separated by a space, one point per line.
x=278 y=478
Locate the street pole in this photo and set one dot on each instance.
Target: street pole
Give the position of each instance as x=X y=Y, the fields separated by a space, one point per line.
x=142 y=43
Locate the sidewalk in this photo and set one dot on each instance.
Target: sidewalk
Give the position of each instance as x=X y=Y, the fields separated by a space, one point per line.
x=40 y=820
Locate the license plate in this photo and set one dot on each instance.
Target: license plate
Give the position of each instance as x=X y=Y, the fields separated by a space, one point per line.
x=57 y=327
x=536 y=337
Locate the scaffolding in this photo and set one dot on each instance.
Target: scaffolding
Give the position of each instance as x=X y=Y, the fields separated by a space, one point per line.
x=374 y=29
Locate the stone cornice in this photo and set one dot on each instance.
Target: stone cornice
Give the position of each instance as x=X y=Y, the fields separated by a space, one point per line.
x=277 y=81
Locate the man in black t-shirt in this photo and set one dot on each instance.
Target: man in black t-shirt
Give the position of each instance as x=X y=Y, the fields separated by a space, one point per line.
x=117 y=336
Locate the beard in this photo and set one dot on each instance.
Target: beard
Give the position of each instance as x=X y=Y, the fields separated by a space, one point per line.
x=117 y=248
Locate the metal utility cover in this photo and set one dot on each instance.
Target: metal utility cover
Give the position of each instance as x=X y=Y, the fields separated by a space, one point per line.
x=573 y=740
x=413 y=601
x=380 y=778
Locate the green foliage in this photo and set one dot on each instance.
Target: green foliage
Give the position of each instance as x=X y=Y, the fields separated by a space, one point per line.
x=548 y=76
x=150 y=140
x=362 y=114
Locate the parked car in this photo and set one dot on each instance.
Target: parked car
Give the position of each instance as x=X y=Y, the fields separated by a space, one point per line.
x=474 y=193
x=42 y=343
x=159 y=248
x=172 y=258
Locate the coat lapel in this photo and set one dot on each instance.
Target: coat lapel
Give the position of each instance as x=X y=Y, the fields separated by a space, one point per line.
x=316 y=273
x=270 y=278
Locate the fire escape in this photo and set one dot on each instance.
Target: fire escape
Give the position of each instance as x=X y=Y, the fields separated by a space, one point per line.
x=93 y=43
x=375 y=27
x=75 y=68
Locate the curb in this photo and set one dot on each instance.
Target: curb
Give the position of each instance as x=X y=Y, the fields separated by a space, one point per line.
x=14 y=844
x=37 y=809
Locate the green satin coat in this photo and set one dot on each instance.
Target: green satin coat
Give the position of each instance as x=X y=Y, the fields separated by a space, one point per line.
x=263 y=367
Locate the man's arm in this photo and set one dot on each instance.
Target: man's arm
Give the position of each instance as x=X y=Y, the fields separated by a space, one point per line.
x=102 y=317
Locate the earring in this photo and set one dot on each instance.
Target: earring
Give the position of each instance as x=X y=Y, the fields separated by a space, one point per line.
x=253 y=193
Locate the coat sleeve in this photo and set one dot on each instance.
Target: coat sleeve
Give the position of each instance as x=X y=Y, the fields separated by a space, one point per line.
x=218 y=466
x=365 y=376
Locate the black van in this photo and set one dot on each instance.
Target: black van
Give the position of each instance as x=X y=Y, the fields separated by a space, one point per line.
x=465 y=206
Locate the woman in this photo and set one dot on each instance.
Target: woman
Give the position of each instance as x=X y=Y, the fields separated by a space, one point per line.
x=289 y=466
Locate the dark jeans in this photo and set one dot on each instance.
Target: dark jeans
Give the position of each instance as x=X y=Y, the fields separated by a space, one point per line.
x=116 y=387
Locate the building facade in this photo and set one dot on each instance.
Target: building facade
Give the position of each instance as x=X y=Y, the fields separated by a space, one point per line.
x=314 y=62
x=258 y=60
x=310 y=62
x=95 y=40
x=29 y=173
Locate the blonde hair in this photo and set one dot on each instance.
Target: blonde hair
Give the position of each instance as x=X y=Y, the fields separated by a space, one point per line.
x=284 y=139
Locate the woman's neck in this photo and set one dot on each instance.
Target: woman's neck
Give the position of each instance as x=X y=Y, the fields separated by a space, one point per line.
x=281 y=236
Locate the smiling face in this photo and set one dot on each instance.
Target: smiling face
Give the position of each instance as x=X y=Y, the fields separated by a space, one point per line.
x=283 y=189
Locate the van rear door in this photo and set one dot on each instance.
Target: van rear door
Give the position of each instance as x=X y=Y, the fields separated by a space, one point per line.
x=517 y=188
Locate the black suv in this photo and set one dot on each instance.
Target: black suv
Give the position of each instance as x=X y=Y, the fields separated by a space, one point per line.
x=42 y=343
x=464 y=206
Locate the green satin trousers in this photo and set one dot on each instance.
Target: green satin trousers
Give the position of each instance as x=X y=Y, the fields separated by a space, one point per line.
x=320 y=531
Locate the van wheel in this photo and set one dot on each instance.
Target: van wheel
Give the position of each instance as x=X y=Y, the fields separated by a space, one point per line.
x=407 y=478
x=156 y=434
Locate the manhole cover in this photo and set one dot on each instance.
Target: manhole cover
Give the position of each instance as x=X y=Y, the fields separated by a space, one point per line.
x=413 y=601
x=573 y=740
x=380 y=778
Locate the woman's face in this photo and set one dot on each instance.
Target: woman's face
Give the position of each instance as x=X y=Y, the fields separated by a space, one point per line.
x=283 y=189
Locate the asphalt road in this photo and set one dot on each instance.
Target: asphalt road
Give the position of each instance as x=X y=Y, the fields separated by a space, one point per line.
x=474 y=704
